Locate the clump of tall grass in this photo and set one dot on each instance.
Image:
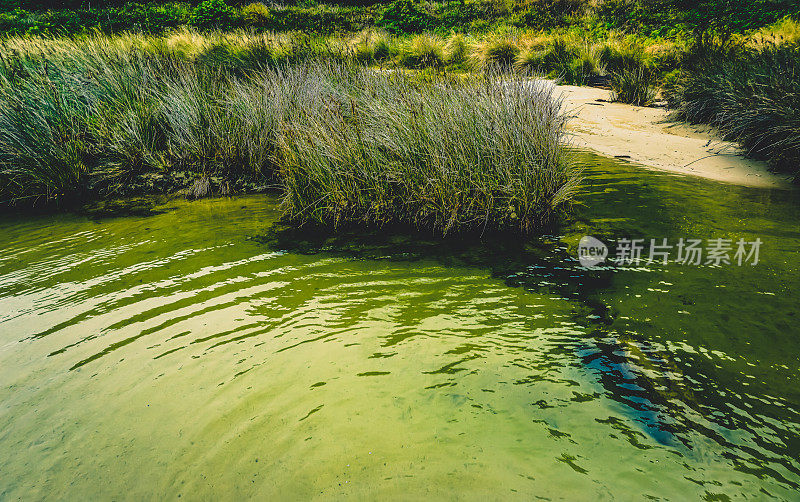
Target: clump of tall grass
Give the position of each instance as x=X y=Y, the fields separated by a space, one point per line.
x=785 y=31
x=371 y=46
x=570 y=60
x=256 y=14
x=90 y=117
x=422 y=51
x=451 y=156
x=633 y=69
x=634 y=86
x=750 y=95
x=456 y=50
x=43 y=135
x=621 y=53
x=94 y=117
x=496 y=54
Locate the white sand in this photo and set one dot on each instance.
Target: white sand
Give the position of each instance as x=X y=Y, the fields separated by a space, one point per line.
x=644 y=136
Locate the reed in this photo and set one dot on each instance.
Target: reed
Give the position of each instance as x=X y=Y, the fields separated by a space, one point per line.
x=89 y=118
x=752 y=95
x=451 y=156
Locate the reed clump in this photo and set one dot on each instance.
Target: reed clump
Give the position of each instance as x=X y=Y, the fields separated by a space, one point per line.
x=750 y=94
x=100 y=117
x=450 y=156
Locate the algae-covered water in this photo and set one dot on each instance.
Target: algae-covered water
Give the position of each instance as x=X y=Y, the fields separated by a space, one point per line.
x=206 y=353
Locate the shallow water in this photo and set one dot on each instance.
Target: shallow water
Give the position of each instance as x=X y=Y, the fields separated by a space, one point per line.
x=201 y=353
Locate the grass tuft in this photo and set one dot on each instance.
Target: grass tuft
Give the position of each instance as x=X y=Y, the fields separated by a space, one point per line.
x=496 y=54
x=422 y=51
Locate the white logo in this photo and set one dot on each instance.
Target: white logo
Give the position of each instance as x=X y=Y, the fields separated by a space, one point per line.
x=591 y=251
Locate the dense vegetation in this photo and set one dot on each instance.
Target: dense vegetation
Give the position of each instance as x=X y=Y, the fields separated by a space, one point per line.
x=751 y=93
x=215 y=96
x=654 y=18
x=105 y=117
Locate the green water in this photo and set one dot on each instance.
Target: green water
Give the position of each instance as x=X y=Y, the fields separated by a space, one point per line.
x=204 y=353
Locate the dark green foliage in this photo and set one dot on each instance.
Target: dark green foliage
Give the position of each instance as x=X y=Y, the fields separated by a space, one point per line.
x=649 y=17
x=698 y=16
x=145 y=17
x=322 y=19
x=547 y=13
x=457 y=16
x=212 y=14
x=132 y=16
x=405 y=16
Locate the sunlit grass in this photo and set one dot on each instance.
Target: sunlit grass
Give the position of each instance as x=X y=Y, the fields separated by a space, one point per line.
x=86 y=117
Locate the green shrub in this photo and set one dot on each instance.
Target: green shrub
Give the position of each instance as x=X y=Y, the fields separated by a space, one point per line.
x=17 y=22
x=322 y=19
x=64 y=22
x=212 y=14
x=461 y=16
x=405 y=16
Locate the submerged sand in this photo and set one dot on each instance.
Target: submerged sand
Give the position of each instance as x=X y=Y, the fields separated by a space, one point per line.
x=645 y=136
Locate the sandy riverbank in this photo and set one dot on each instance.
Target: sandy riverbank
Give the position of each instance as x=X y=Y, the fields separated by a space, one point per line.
x=644 y=136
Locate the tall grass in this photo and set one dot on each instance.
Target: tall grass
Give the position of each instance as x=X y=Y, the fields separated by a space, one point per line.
x=571 y=60
x=91 y=117
x=451 y=156
x=751 y=95
x=496 y=54
x=422 y=51
x=634 y=86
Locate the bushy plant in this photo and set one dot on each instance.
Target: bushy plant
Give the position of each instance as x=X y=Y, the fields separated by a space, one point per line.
x=372 y=46
x=44 y=137
x=570 y=60
x=405 y=16
x=456 y=50
x=212 y=14
x=256 y=14
x=447 y=157
x=461 y=16
x=751 y=96
x=422 y=51
x=93 y=116
x=496 y=53
x=635 y=86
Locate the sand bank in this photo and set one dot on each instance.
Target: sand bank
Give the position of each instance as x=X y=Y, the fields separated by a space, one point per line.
x=644 y=136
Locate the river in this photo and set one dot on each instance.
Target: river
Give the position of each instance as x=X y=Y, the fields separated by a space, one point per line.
x=206 y=352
